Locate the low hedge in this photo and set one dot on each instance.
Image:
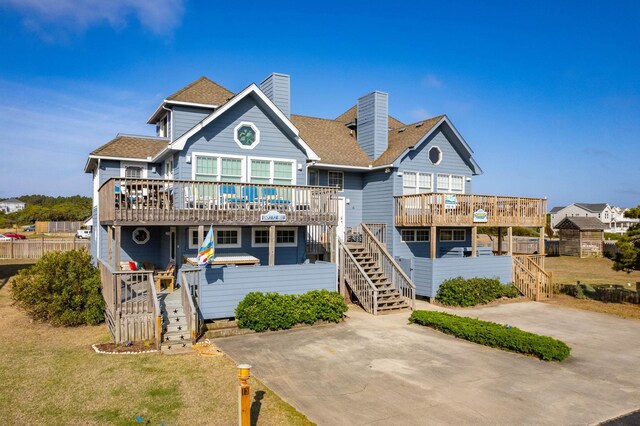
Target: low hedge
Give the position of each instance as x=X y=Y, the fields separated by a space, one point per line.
x=495 y=335
x=473 y=291
x=274 y=311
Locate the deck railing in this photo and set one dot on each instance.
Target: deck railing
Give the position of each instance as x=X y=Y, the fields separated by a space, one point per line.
x=358 y=280
x=436 y=209
x=530 y=277
x=132 y=308
x=189 y=291
x=379 y=231
x=318 y=239
x=389 y=266
x=181 y=201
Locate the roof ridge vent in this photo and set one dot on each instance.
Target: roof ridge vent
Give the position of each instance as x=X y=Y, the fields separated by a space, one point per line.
x=420 y=124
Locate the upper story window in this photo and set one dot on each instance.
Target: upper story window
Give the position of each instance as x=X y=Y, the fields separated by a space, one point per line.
x=133 y=170
x=279 y=172
x=214 y=168
x=435 y=155
x=416 y=183
x=450 y=183
x=246 y=135
x=163 y=127
x=336 y=179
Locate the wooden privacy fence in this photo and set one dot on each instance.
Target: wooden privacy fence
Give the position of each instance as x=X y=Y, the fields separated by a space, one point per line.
x=523 y=246
x=612 y=294
x=35 y=249
x=69 y=227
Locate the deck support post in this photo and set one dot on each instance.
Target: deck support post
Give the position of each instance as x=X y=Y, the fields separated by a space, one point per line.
x=333 y=247
x=272 y=245
x=116 y=258
x=541 y=241
x=474 y=241
x=200 y=236
x=433 y=239
x=499 y=241
x=510 y=239
x=109 y=245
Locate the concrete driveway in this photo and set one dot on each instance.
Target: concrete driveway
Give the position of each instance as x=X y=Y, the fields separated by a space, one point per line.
x=380 y=370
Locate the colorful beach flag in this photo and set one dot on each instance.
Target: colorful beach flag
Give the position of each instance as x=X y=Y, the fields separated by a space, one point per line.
x=207 y=251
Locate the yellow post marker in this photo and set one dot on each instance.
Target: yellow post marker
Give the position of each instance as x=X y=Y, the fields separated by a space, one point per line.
x=244 y=397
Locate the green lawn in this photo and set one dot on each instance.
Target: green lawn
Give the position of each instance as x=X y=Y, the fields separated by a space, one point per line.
x=569 y=270
x=52 y=376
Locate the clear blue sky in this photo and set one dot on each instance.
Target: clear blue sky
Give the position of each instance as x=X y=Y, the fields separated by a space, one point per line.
x=546 y=93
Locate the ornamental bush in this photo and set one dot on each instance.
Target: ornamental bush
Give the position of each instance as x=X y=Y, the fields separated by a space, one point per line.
x=274 y=311
x=473 y=291
x=63 y=288
x=494 y=335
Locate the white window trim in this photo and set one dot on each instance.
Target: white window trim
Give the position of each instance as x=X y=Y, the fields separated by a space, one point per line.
x=452 y=234
x=243 y=167
x=336 y=171
x=190 y=237
x=168 y=171
x=415 y=235
x=215 y=237
x=293 y=228
x=417 y=186
x=449 y=186
x=272 y=160
x=146 y=240
x=441 y=155
x=255 y=129
x=125 y=164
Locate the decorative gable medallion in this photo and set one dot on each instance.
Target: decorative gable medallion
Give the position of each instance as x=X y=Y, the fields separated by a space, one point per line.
x=246 y=135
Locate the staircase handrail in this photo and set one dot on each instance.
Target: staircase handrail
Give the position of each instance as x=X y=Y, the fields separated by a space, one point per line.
x=373 y=309
x=405 y=286
x=538 y=275
x=157 y=313
x=189 y=307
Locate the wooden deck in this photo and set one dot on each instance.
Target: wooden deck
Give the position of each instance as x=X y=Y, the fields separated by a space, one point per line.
x=435 y=209
x=176 y=202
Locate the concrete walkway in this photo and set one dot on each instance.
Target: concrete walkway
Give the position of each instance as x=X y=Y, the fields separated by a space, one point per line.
x=380 y=370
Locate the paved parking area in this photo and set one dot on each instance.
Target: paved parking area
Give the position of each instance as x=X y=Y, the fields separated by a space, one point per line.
x=381 y=370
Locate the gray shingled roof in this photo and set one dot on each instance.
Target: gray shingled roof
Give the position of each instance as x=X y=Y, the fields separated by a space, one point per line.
x=581 y=223
x=556 y=209
x=12 y=200
x=593 y=208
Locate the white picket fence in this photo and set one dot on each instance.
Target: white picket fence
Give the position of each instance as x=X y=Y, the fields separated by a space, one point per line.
x=34 y=249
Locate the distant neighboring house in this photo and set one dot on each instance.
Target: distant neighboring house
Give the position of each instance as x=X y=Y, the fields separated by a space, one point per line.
x=612 y=217
x=11 y=205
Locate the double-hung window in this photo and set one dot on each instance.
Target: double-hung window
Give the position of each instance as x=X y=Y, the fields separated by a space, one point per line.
x=416 y=183
x=133 y=170
x=285 y=237
x=335 y=179
x=218 y=168
x=415 y=235
x=450 y=183
x=453 y=235
x=223 y=238
x=278 y=172
x=231 y=170
x=206 y=168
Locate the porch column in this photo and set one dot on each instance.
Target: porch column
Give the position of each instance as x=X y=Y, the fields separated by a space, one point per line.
x=200 y=236
x=541 y=241
x=433 y=239
x=499 y=241
x=333 y=235
x=116 y=261
x=109 y=245
x=272 y=245
x=474 y=241
x=510 y=239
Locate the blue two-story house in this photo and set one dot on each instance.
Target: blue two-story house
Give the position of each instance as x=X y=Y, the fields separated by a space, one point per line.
x=375 y=208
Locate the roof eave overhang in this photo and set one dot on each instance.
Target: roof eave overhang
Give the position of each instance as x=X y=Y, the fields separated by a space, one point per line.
x=179 y=143
x=354 y=168
x=166 y=102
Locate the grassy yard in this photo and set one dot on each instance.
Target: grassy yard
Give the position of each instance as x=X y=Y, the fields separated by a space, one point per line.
x=569 y=270
x=52 y=376
x=593 y=271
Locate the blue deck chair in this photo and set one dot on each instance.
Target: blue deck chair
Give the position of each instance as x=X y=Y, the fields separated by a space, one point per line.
x=270 y=195
x=250 y=194
x=227 y=194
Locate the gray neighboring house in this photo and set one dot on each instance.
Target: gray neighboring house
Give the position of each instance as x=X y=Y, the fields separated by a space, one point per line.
x=612 y=217
x=11 y=205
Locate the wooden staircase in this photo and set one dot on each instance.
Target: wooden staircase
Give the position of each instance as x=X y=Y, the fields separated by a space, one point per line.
x=387 y=297
x=530 y=277
x=176 y=333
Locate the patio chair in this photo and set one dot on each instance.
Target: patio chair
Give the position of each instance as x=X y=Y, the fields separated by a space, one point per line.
x=250 y=194
x=167 y=275
x=271 y=196
x=228 y=194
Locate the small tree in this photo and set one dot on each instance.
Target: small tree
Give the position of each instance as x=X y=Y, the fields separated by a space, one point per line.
x=628 y=256
x=63 y=288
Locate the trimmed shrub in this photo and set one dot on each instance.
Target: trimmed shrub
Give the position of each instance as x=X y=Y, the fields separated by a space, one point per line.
x=273 y=311
x=63 y=288
x=462 y=292
x=494 y=335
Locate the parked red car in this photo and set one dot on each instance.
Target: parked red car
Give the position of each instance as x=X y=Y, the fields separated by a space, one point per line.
x=15 y=236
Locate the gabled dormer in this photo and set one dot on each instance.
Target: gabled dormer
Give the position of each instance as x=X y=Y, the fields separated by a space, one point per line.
x=188 y=106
